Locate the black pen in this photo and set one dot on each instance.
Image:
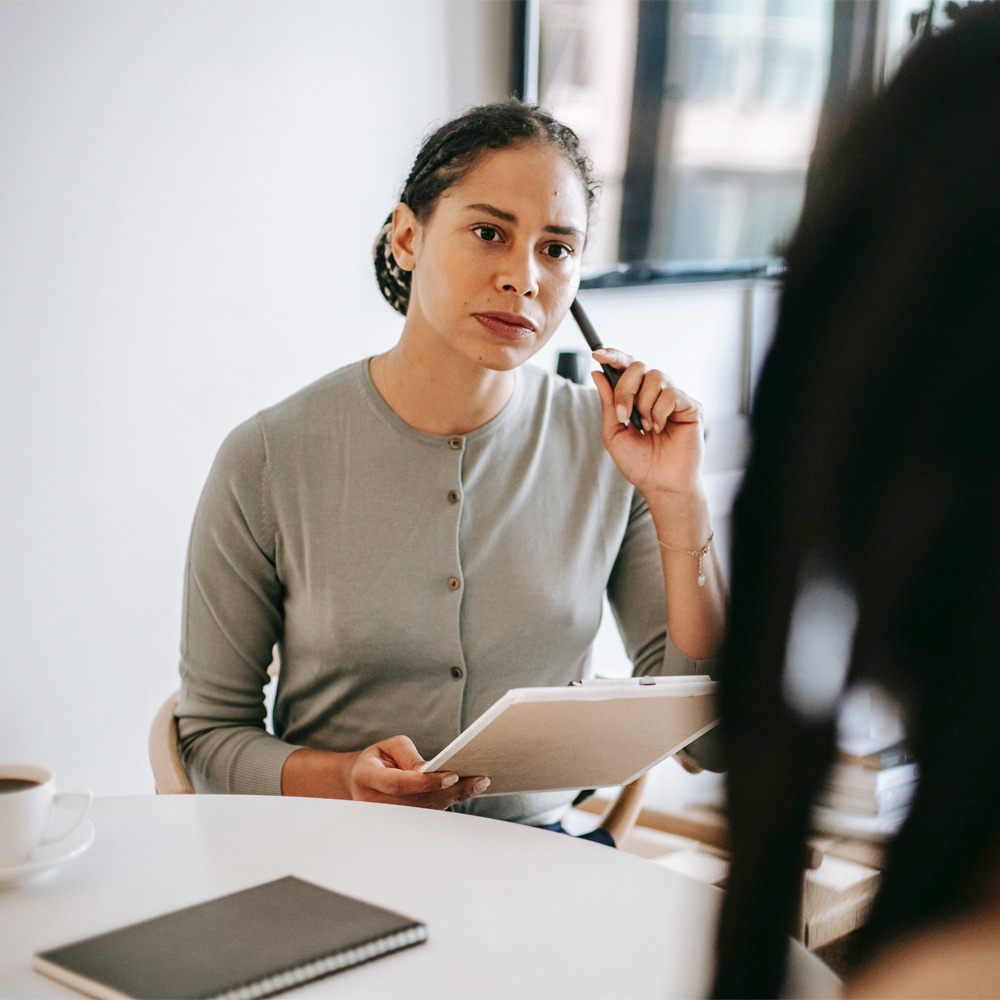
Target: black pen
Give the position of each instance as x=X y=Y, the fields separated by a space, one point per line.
x=594 y=342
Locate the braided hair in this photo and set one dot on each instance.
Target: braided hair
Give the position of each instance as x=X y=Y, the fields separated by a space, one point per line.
x=449 y=153
x=876 y=448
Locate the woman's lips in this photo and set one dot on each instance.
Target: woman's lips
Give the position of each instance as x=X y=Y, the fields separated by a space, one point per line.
x=507 y=325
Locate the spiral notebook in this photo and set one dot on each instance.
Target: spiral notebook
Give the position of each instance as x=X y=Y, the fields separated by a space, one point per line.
x=251 y=943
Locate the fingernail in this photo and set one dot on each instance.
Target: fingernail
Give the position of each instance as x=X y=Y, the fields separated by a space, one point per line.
x=646 y=425
x=448 y=780
x=657 y=428
x=481 y=785
x=622 y=414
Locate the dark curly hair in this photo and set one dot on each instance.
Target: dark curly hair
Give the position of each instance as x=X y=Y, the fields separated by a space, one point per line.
x=450 y=152
x=876 y=451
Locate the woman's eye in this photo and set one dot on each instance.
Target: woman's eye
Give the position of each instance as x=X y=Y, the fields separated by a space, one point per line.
x=558 y=251
x=488 y=234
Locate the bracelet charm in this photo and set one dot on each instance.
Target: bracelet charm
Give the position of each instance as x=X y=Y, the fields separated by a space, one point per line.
x=700 y=553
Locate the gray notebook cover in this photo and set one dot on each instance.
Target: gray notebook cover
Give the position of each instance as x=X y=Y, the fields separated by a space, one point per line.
x=276 y=935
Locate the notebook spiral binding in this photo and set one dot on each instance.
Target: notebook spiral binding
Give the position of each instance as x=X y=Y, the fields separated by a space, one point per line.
x=281 y=981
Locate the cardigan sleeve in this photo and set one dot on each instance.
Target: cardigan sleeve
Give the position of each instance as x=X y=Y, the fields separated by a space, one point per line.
x=638 y=601
x=232 y=618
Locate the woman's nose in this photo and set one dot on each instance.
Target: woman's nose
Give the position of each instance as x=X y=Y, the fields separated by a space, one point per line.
x=518 y=274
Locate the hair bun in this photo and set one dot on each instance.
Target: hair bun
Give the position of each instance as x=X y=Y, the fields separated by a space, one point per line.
x=393 y=281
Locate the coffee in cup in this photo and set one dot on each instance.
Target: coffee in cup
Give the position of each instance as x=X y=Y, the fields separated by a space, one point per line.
x=27 y=797
x=16 y=784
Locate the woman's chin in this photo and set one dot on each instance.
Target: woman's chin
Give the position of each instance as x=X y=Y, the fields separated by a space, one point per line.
x=506 y=356
x=506 y=361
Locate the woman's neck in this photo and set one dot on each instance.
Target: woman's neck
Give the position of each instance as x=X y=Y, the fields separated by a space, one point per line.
x=439 y=395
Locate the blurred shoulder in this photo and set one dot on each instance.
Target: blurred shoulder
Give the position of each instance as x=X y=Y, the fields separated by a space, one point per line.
x=957 y=958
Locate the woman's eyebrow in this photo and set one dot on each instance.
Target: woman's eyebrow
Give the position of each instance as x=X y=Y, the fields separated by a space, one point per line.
x=499 y=213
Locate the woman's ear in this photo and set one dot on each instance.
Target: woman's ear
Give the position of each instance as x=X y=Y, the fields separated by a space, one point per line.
x=405 y=236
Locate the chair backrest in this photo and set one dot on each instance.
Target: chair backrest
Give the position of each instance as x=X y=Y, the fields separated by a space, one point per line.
x=164 y=756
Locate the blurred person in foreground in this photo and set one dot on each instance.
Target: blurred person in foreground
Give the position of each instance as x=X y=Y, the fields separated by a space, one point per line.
x=874 y=482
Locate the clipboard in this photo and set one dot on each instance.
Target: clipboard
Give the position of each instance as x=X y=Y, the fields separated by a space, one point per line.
x=590 y=734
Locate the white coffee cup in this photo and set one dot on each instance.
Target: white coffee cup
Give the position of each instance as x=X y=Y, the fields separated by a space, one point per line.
x=27 y=795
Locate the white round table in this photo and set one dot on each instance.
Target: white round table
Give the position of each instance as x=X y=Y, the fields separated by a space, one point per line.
x=511 y=911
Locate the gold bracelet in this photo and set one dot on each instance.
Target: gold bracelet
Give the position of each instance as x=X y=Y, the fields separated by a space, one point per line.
x=700 y=553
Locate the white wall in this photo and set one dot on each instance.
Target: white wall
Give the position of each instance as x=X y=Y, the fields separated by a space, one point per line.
x=188 y=195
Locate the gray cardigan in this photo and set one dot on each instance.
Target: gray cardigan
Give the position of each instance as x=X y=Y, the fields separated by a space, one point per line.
x=408 y=579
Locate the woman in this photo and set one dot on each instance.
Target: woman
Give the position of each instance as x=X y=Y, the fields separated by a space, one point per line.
x=875 y=474
x=422 y=531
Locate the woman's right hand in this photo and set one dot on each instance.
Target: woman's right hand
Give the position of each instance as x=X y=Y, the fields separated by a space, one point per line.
x=389 y=771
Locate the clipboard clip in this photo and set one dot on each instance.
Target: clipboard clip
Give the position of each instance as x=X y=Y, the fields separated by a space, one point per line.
x=642 y=682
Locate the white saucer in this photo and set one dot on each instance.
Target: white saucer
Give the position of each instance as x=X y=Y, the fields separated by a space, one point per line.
x=44 y=858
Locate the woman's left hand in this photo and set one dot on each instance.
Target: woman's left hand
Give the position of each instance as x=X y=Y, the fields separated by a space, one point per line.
x=668 y=456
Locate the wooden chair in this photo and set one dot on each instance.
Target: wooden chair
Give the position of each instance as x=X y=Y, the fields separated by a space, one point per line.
x=169 y=775
x=621 y=814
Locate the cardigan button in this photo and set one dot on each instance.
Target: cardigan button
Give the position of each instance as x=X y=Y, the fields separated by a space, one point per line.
x=455 y=443
x=454 y=496
x=454 y=583
x=457 y=672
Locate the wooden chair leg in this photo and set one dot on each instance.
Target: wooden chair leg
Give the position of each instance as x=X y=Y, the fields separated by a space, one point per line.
x=620 y=816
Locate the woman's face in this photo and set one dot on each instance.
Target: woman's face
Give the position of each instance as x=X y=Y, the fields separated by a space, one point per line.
x=497 y=264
